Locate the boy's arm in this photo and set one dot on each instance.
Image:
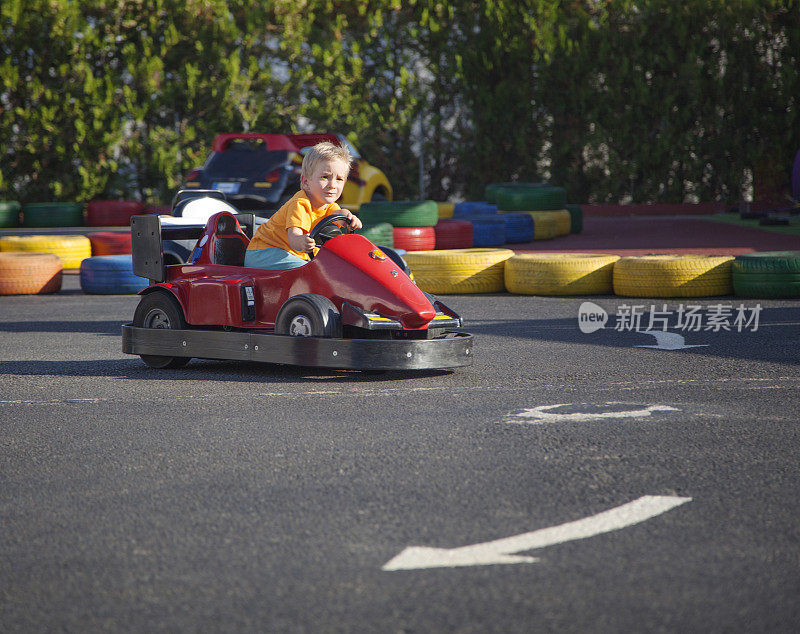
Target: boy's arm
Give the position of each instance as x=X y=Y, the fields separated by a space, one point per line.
x=355 y=223
x=298 y=240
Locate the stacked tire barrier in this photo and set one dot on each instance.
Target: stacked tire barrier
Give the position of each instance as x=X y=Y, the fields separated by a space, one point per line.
x=412 y=221
x=381 y=234
x=454 y=233
x=560 y=274
x=110 y=275
x=673 y=276
x=768 y=275
x=29 y=273
x=460 y=270
x=9 y=213
x=112 y=213
x=71 y=249
x=52 y=215
x=110 y=242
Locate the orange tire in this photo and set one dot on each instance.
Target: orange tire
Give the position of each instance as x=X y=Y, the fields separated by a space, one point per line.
x=29 y=273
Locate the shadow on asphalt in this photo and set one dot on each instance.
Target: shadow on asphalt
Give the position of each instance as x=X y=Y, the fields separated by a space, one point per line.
x=201 y=370
x=95 y=327
x=776 y=337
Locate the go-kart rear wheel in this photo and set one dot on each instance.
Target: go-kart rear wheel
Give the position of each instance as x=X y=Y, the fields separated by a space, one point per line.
x=160 y=310
x=308 y=315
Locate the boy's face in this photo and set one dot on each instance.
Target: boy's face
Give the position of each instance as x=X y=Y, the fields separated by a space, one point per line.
x=326 y=182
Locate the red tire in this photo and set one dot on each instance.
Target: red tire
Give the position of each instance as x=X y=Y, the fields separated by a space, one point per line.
x=112 y=213
x=29 y=273
x=414 y=238
x=110 y=242
x=453 y=234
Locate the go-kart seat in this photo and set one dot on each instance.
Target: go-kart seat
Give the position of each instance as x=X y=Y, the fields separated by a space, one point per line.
x=230 y=243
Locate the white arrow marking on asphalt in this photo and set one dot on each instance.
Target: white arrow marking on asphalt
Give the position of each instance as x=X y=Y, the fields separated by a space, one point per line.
x=669 y=341
x=542 y=414
x=501 y=551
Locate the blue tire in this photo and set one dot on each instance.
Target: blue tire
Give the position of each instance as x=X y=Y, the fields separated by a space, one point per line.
x=110 y=275
x=488 y=231
x=519 y=227
x=472 y=208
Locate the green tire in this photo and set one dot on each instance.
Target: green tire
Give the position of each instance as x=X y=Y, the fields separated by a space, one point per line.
x=576 y=218
x=544 y=198
x=381 y=234
x=490 y=191
x=52 y=215
x=768 y=275
x=9 y=213
x=407 y=213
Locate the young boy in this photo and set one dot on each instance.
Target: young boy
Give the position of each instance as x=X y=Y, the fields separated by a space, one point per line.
x=282 y=242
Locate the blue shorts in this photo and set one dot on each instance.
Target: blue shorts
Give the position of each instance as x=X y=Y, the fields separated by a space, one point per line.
x=272 y=258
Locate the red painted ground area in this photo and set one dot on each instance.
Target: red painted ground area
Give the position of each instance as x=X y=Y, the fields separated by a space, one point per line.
x=677 y=234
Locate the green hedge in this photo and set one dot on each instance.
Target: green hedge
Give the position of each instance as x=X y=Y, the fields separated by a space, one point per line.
x=646 y=101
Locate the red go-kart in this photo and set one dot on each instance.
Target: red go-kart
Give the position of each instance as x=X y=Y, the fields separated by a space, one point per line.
x=351 y=307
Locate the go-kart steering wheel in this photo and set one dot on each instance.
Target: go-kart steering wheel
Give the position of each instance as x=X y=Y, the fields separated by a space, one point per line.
x=323 y=231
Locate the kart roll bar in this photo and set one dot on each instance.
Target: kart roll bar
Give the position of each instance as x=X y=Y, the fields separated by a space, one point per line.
x=148 y=234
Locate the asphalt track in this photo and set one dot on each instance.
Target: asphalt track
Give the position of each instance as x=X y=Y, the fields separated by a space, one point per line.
x=243 y=497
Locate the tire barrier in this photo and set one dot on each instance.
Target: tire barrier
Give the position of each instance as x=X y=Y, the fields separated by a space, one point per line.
x=112 y=213
x=542 y=198
x=110 y=242
x=490 y=191
x=452 y=233
x=409 y=213
x=673 y=276
x=380 y=234
x=473 y=208
x=9 y=213
x=445 y=210
x=29 y=273
x=110 y=275
x=519 y=227
x=459 y=271
x=71 y=249
x=769 y=274
x=487 y=231
x=545 y=225
x=576 y=218
x=560 y=274
x=414 y=238
x=52 y=215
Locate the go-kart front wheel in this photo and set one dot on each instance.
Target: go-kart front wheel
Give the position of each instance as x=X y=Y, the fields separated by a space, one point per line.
x=160 y=310
x=308 y=315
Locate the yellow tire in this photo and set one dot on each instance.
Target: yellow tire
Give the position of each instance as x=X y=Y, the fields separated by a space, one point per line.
x=459 y=271
x=446 y=210
x=560 y=274
x=673 y=276
x=544 y=225
x=29 y=273
x=71 y=249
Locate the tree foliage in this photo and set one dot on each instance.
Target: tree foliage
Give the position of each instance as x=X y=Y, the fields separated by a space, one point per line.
x=645 y=100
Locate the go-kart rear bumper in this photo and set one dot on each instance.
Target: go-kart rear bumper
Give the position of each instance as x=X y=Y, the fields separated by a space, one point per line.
x=451 y=351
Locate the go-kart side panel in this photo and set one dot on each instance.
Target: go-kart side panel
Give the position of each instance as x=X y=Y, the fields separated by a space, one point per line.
x=453 y=351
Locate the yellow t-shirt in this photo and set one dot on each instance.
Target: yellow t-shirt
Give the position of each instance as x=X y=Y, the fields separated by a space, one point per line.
x=295 y=212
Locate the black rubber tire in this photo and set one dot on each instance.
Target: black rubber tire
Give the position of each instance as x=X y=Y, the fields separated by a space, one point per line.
x=308 y=315
x=160 y=310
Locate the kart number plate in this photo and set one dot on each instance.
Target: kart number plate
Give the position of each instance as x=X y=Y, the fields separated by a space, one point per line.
x=226 y=188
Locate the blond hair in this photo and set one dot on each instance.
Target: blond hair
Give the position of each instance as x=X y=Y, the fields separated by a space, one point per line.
x=324 y=151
